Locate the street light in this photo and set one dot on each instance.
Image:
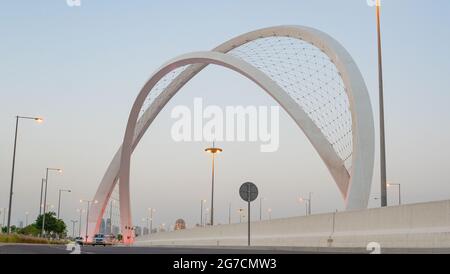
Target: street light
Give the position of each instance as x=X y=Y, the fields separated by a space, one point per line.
x=59 y=199
x=206 y=216
x=73 y=227
x=151 y=210
x=38 y=120
x=42 y=194
x=26 y=218
x=3 y=211
x=79 y=210
x=201 y=211
x=260 y=208
x=87 y=215
x=213 y=150
x=307 y=203
x=229 y=213
x=399 y=191
x=381 y=102
x=45 y=193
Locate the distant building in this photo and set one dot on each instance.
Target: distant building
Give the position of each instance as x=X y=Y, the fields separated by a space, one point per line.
x=180 y=224
x=108 y=227
x=116 y=230
x=102 y=227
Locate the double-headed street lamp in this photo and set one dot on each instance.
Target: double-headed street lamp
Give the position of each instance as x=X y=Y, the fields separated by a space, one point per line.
x=307 y=202
x=213 y=150
x=59 y=199
x=45 y=193
x=87 y=215
x=73 y=227
x=39 y=120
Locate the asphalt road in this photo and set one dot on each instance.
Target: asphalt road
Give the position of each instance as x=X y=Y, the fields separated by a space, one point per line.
x=59 y=249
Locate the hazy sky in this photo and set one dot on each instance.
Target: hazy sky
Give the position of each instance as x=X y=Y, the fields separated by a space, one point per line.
x=82 y=67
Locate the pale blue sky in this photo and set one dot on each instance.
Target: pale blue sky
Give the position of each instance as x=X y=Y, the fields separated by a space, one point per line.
x=82 y=67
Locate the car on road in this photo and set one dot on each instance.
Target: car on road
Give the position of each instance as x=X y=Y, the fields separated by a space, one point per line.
x=79 y=240
x=99 y=239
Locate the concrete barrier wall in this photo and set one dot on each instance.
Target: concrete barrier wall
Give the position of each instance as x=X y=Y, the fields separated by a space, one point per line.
x=425 y=225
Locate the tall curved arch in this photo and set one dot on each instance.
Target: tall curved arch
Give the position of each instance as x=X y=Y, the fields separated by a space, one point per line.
x=354 y=186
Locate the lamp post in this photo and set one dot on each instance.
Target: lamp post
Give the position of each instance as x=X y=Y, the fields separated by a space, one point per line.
x=73 y=227
x=213 y=150
x=42 y=193
x=269 y=211
x=87 y=216
x=79 y=222
x=39 y=120
x=59 y=199
x=381 y=102
x=201 y=211
x=229 y=213
x=260 y=208
x=307 y=204
x=45 y=194
x=206 y=216
x=399 y=191
x=3 y=210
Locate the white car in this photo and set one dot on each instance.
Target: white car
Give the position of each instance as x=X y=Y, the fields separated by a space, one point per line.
x=99 y=239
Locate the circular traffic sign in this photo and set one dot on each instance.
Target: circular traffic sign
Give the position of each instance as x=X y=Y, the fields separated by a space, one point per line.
x=248 y=192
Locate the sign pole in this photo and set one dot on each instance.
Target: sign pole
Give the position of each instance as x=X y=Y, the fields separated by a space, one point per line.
x=248 y=192
x=248 y=204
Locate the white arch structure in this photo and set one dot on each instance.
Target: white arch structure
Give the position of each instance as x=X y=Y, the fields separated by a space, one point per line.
x=354 y=184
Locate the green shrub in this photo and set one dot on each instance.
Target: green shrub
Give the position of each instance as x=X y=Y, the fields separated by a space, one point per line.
x=17 y=238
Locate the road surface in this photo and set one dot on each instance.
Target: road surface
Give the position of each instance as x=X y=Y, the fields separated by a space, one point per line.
x=60 y=249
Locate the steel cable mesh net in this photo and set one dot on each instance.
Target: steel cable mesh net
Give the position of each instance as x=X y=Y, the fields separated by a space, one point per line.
x=162 y=84
x=309 y=76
